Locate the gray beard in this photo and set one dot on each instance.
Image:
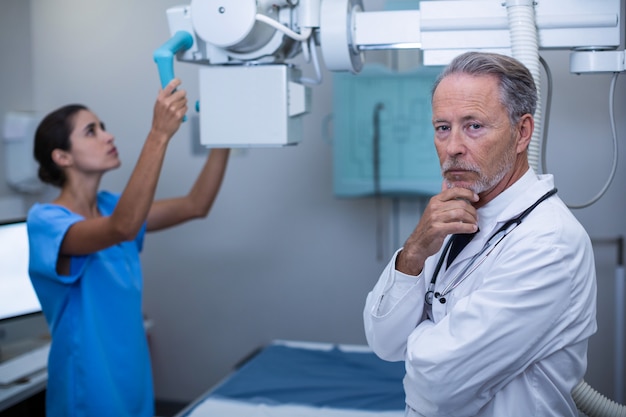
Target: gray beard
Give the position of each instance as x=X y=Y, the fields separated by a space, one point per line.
x=483 y=183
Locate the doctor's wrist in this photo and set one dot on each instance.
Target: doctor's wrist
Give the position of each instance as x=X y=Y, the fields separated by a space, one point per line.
x=409 y=264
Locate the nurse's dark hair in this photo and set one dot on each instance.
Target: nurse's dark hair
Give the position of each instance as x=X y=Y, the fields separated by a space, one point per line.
x=518 y=92
x=53 y=133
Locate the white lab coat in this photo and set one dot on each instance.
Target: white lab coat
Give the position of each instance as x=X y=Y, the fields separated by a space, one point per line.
x=511 y=340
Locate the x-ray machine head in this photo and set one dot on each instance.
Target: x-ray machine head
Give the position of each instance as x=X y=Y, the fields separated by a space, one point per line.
x=252 y=95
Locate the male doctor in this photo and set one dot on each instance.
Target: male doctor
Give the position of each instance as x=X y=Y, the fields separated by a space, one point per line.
x=502 y=329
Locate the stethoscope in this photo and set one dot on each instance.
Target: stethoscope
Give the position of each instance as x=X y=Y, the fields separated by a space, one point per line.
x=471 y=266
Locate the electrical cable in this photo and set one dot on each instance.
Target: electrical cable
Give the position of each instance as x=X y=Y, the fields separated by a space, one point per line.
x=615 y=150
x=544 y=164
x=306 y=32
x=546 y=119
x=310 y=46
x=306 y=50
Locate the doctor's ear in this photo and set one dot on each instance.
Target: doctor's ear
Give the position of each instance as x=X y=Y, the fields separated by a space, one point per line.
x=526 y=125
x=61 y=158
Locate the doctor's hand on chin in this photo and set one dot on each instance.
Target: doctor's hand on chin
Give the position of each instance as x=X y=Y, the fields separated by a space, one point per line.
x=449 y=212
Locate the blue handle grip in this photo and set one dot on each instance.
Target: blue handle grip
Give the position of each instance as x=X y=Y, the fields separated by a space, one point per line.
x=164 y=56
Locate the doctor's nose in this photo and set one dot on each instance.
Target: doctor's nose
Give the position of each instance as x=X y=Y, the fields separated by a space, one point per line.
x=455 y=145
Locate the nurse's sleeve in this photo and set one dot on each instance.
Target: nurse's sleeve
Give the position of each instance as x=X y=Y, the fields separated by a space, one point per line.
x=47 y=225
x=392 y=310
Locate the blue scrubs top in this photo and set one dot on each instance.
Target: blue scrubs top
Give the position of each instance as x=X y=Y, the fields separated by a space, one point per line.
x=99 y=361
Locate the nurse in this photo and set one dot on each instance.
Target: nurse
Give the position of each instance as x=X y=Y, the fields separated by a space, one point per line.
x=500 y=326
x=84 y=255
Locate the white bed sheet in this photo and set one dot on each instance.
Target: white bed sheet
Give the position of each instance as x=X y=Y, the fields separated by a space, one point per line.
x=223 y=407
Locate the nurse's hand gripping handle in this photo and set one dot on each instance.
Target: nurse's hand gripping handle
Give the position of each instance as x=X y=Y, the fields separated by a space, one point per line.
x=164 y=56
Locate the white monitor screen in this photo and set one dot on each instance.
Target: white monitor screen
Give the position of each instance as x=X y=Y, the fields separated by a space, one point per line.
x=17 y=296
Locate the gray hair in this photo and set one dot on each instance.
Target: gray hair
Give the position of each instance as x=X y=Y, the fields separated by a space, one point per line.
x=518 y=93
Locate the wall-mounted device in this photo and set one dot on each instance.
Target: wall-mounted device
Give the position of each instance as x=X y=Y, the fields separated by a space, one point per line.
x=19 y=164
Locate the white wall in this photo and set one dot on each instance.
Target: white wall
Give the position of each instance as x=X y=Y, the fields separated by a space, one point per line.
x=279 y=256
